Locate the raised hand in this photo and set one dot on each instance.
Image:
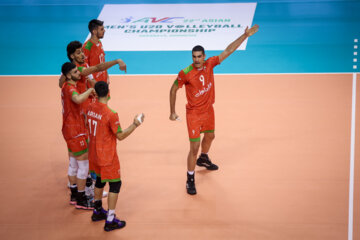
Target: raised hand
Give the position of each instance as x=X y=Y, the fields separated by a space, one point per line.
x=252 y=30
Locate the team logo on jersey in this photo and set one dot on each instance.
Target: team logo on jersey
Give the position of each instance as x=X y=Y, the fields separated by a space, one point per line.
x=193 y=131
x=204 y=90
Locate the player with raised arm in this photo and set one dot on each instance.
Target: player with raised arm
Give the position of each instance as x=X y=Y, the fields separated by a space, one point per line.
x=76 y=55
x=198 y=79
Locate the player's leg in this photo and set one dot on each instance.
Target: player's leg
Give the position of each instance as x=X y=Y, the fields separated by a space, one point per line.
x=193 y=125
x=99 y=212
x=83 y=202
x=78 y=149
x=208 y=138
x=112 y=222
x=72 y=172
x=111 y=174
x=208 y=129
x=191 y=160
x=92 y=173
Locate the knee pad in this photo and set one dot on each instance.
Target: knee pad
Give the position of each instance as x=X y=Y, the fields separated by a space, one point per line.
x=115 y=187
x=83 y=170
x=98 y=183
x=73 y=167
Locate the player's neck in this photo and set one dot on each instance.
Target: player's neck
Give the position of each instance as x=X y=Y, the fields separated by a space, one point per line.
x=103 y=100
x=72 y=82
x=199 y=68
x=77 y=63
x=94 y=39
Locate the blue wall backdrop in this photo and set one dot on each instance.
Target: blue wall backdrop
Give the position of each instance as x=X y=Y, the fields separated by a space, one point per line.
x=295 y=37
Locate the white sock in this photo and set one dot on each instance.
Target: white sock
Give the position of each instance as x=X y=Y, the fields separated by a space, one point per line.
x=111 y=215
x=191 y=172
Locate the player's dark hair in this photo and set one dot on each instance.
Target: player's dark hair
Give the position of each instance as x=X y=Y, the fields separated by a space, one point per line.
x=67 y=67
x=198 y=48
x=102 y=89
x=71 y=48
x=93 y=24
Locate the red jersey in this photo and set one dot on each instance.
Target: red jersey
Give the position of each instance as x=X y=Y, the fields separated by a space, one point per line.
x=103 y=124
x=81 y=85
x=73 y=123
x=199 y=85
x=94 y=54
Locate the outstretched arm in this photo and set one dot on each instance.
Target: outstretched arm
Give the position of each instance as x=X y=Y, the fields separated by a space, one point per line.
x=235 y=44
x=173 y=90
x=104 y=66
x=124 y=134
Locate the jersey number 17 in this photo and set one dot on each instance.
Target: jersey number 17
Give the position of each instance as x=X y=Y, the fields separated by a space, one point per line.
x=94 y=122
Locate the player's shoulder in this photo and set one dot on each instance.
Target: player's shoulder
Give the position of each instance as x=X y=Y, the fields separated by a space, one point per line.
x=213 y=58
x=81 y=67
x=212 y=61
x=111 y=115
x=110 y=111
x=188 y=69
x=69 y=88
x=88 y=45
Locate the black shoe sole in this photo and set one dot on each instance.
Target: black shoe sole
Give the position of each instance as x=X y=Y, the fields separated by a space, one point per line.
x=207 y=167
x=191 y=193
x=97 y=219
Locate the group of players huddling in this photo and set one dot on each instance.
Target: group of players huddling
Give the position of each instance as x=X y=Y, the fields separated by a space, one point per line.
x=91 y=129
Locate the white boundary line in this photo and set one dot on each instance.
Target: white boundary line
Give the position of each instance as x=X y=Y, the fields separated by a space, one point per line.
x=174 y=74
x=352 y=160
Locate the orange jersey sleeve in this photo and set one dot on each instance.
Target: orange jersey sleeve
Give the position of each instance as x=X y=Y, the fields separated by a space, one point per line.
x=181 y=79
x=212 y=62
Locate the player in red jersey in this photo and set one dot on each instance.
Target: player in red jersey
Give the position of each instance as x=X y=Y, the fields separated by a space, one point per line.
x=93 y=48
x=76 y=56
x=198 y=79
x=74 y=133
x=104 y=128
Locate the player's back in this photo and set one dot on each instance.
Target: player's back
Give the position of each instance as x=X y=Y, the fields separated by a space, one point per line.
x=103 y=124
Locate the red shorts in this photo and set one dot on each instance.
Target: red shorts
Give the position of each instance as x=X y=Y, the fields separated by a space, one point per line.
x=109 y=173
x=78 y=145
x=199 y=123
